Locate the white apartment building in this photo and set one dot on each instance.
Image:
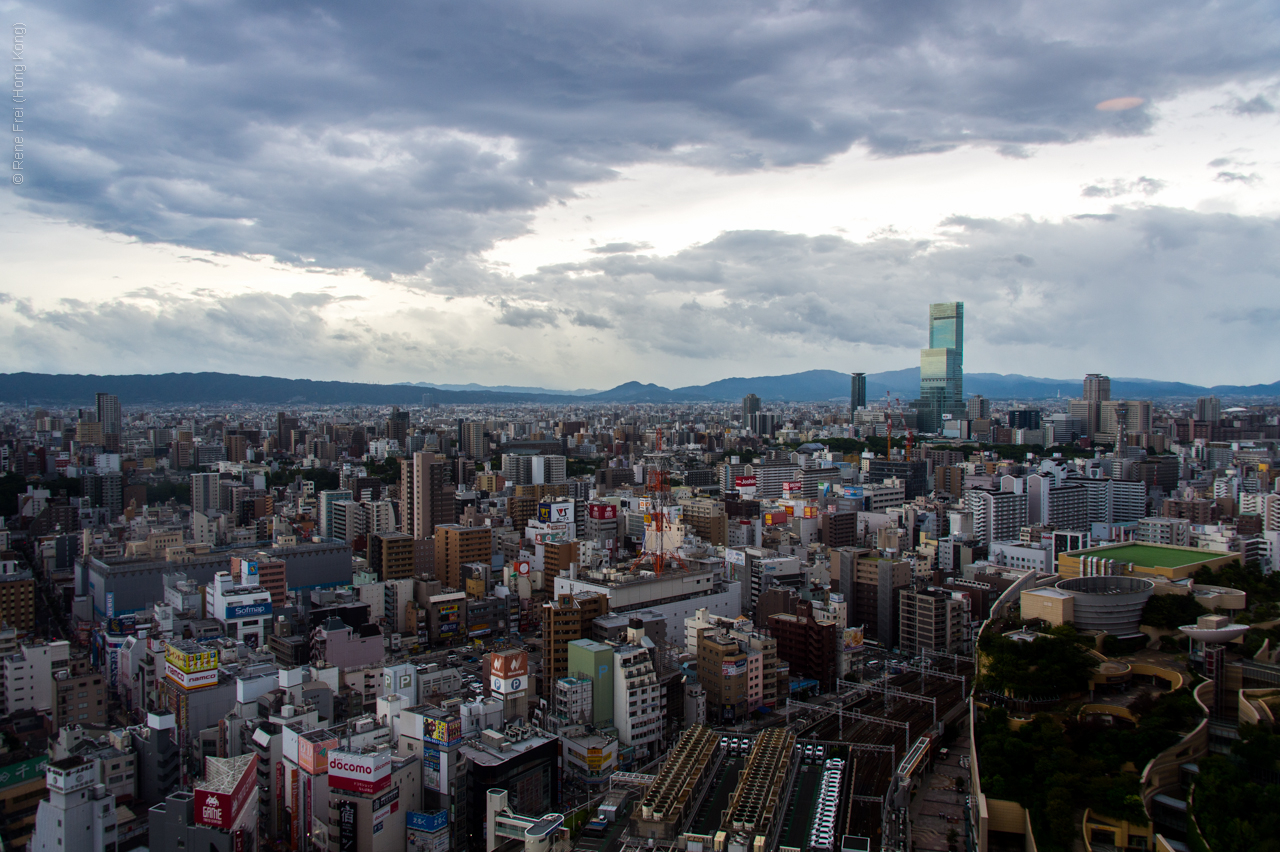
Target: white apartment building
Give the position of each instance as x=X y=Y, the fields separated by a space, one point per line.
x=998 y=515
x=637 y=701
x=243 y=607
x=28 y=676
x=1174 y=531
x=1267 y=506
x=79 y=815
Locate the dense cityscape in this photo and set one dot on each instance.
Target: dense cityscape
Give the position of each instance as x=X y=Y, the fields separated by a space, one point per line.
x=547 y=426
x=949 y=622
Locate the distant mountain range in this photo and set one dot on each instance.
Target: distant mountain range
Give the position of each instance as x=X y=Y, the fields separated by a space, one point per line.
x=809 y=386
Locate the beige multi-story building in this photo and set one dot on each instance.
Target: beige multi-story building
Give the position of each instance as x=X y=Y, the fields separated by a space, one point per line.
x=930 y=620
x=706 y=518
x=427 y=501
x=390 y=555
x=80 y=696
x=457 y=545
x=565 y=619
x=722 y=671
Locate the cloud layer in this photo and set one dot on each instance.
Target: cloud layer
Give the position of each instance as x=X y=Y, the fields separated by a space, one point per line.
x=1149 y=290
x=393 y=137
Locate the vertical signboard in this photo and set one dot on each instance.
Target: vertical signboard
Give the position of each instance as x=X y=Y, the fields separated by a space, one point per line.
x=346 y=827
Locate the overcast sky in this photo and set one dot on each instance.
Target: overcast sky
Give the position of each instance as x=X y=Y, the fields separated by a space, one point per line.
x=578 y=194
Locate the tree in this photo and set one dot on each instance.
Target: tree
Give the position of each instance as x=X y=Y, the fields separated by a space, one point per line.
x=1169 y=612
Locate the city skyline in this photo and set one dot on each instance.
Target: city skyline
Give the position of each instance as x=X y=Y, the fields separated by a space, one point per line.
x=742 y=191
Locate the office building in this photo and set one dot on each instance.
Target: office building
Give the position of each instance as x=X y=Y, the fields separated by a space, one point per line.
x=1024 y=418
x=809 y=645
x=80 y=696
x=564 y=619
x=390 y=555
x=109 y=419
x=456 y=546
x=930 y=620
x=978 y=407
x=872 y=597
x=722 y=672
x=398 y=427
x=1208 y=409
x=325 y=509
x=204 y=493
x=942 y=368
x=519 y=760
x=371 y=791
x=427 y=501
x=80 y=814
x=750 y=406
x=857 y=394
x=473 y=443
x=1097 y=388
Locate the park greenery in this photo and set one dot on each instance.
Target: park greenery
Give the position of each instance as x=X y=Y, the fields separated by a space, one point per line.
x=1056 y=767
x=1236 y=801
x=1169 y=612
x=1249 y=578
x=1050 y=666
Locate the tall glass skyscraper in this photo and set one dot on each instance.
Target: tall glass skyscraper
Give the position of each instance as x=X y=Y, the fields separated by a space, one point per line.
x=942 y=368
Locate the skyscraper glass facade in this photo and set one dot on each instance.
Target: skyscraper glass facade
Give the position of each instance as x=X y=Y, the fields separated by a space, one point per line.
x=942 y=368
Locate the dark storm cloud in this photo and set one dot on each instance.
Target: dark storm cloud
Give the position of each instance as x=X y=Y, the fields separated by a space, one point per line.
x=393 y=137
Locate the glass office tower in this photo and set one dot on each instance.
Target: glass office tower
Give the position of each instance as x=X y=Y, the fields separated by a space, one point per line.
x=942 y=368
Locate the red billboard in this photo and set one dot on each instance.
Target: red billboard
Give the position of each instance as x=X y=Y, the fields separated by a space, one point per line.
x=744 y=482
x=602 y=511
x=219 y=808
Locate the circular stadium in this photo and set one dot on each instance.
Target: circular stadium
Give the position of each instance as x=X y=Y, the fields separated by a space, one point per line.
x=1107 y=603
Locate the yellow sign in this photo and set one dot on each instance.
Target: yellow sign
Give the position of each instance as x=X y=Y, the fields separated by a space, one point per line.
x=191 y=662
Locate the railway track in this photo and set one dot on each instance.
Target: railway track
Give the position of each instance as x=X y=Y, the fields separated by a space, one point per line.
x=873 y=771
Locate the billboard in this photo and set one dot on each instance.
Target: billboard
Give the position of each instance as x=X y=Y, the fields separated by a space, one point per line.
x=735 y=557
x=772 y=519
x=602 y=511
x=853 y=492
x=20 y=773
x=555 y=513
x=313 y=757
x=248 y=571
x=386 y=804
x=435 y=770
x=852 y=638
x=733 y=669
x=433 y=821
x=792 y=487
x=443 y=733
x=347 y=827
x=509 y=664
x=218 y=809
x=359 y=773
x=191 y=661
x=190 y=680
x=744 y=482
x=522 y=568
x=253 y=610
